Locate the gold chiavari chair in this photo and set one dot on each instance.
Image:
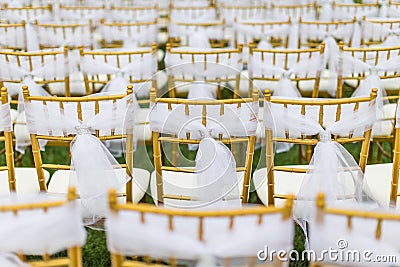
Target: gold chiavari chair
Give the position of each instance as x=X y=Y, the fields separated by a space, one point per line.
x=42 y=211
x=356 y=9
x=180 y=3
x=208 y=224
x=359 y=236
x=80 y=13
x=14 y=36
x=377 y=30
x=377 y=58
x=282 y=62
x=232 y=13
x=313 y=32
x=294 y=11
x=82 y=111
x=133 y=13
x=173 y=183
x=128 y=34
x=192 y=13
x=26 y=13
x=275 y=183
x=184 y=66
x=181 y=32
x=12 y=179
x=137 y=66
x=59 y=34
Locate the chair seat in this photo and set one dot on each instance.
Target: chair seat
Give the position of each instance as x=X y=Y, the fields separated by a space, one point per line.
x=388 y=84
x=178 y=183
x=379 y=177
x=60 y=181
x=325 y=83
x=257 y=84
x=285 y=183
x=385 y=128
x=27 y=181
x=77 y=86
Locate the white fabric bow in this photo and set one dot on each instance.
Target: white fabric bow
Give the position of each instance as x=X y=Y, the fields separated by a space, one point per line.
x=215 y=181
x=91 y=163
x=332 y=169
x=285 y=86
x=198 y=36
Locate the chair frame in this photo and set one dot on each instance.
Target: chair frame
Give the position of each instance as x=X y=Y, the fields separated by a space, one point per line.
x=171 y=80
x=311 y=140
x=119 y=260
x=158 y=139
x=74 y=254
x=287 y=52
x=40 y=166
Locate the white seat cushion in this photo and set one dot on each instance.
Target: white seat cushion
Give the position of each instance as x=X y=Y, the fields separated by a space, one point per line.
x=178 y=183
x=385 y=128
x=285 y=183
x=60 y=181
x=325 y=83
x=379 y=177
x=388 y=84
x=162 y=37
x=77 y=86
x=26 y=179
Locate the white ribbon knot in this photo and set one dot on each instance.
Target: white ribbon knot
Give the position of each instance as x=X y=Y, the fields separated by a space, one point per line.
x=325 y=137
x=83 y=129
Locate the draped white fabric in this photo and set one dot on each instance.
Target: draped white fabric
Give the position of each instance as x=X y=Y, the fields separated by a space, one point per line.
x=92 y=164
x=201 y=66
x=65 y=36
x=11 y=260
x=5 y=121
x=332 y=169
x=197 y=36
x=36 y=232
x=140 y=67
x=307 y=66
x=215 y=180
x=126 y=234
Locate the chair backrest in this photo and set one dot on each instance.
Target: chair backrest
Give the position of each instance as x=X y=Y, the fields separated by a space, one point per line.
x=130 y=226
x=232 y=13
x=276 y=33
x=43 y=68
x=294 y=11
x=59 y=34
x=217 y=66
x=128 y=34
x=359 y=234
x=276 y=65
x=192 y=13
x=180 y=3
x=357 y=64
x=313 y=32
x=206 y=34
x=40 y=238
x=330 y=116
x=229 y=121
x=14 y=36
x=99 y=118
x=135 y=66
x=133 y=13
x=356 y=9
x=80 y=13
x=377 y=30
x=26 y=13
x=7 y=138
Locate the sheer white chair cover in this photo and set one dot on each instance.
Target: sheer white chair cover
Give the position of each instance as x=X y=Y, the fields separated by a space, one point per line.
x=11 y=260
x=258 y=68
x=13 y=37
x=141 y=67
x=32 y=41
x=196 y=36
x=36 y=232
x=215 y=181
x=332 y=169
x=50 y=68
x=91 y=163
x=5 y=122
x=127 y=235
x=375 y=31
x=192 y=15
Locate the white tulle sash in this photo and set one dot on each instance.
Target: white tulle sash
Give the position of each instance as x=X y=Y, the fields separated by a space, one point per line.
x=92 y=164
x=128 y=235
x=201 y=67
x=197 y=36
x=332 y=169
x=5 y=122
x=33 y=232
x=215 y=180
